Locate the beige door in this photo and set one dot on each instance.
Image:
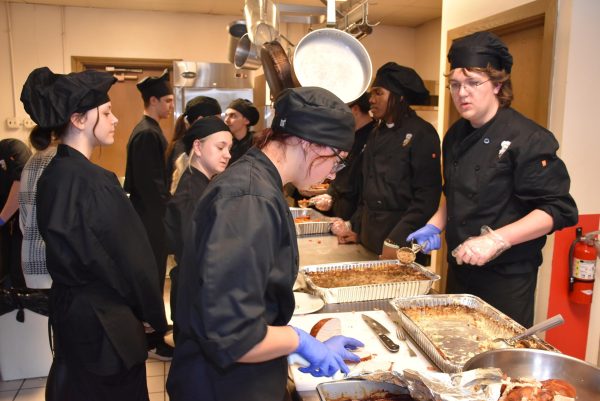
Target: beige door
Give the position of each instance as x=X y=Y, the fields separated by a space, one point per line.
x=127 y=105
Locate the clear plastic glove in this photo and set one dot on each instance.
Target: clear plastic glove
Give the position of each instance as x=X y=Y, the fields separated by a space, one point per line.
x=343 y=230
x=322 y=202
x=480 y=250
x=326 y=358
x=427 y=236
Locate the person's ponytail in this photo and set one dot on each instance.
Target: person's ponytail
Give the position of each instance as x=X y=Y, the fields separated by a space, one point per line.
x=40 y=138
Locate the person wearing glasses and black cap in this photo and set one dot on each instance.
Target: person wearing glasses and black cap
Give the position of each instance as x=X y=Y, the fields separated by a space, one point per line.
x=401 y=176
x=505 y=188
x=146 y=180
x=241 y=260
x=104 y=279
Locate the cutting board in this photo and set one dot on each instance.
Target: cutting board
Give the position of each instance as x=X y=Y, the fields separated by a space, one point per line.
x=354 y=326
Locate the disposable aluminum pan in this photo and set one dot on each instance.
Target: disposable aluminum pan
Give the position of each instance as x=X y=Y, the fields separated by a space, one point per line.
x=319 y=224
x=368 y=292
x=357 y=390
x=460 y=343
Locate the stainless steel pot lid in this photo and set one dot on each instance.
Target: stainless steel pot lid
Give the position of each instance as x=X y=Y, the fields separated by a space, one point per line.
x=334 y=60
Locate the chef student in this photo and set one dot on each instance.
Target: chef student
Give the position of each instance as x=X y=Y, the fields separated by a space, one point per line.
x=239 y=266
x=240 y=116
x=196 y=108
x=104 y=278
x=505 y=188
x=206 y=153
x=401 y=174
x=343 y=193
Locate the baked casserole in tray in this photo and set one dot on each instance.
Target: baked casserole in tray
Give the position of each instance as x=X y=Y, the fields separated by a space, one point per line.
x=367 y=281
x=451 y=329
x=309 y=221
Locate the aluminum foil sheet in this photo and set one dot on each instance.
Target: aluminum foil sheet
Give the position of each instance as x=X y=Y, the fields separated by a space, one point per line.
x=451 y=342
x=372 y=291
x=319 y=224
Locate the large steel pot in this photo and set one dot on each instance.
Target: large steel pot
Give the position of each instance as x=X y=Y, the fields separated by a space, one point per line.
x=262 y=20
x=334 y=60
x=542 y=365
x=247 y=55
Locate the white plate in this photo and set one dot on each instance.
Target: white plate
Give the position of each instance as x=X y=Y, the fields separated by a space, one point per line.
x=307 y=303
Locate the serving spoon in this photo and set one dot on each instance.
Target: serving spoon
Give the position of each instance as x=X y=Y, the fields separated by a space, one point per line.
x=536 y=328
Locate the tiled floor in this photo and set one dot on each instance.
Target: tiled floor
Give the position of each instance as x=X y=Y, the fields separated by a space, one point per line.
x=156 y=373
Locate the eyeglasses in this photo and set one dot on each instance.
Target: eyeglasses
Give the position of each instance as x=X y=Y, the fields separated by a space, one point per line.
x=470 y=86
x=339 y=164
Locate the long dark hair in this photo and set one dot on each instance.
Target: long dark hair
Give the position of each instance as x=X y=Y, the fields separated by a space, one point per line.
x=397 y=109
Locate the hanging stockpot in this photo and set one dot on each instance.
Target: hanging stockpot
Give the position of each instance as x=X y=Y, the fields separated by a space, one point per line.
x=333 y=59
x=247 y=55
x=236 y=30
x=262 y=20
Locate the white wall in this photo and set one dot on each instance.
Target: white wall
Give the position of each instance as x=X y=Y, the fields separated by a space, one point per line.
x=51 y=35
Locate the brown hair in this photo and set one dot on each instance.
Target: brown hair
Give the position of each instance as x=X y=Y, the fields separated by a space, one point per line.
x=260 y=140
x=497 y=77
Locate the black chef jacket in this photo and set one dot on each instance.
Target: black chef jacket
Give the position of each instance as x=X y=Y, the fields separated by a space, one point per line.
x=236 y=278
x=99 y=257
x=181 y=207
x=239 y=148
x=485 y=186
x=345 y=188
x=146 y=182
x=401 y=182
x=13 y=156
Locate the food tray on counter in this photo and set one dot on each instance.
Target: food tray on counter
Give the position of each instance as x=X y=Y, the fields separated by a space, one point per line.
x=457 y=327
x=316 y=223
x=368 y=292
x=350 y=390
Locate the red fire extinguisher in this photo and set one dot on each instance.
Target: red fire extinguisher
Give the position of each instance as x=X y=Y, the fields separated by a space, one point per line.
x=582 y=267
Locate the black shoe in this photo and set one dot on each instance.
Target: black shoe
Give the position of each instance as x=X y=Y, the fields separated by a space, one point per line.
x=162 y=352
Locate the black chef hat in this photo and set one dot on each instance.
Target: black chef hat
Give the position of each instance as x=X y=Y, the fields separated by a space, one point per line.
x=402 y=81
x=50 y=99
x=155 y=86
x=201 y=106
x=246 y=108
x=201 y=129
x=314 y=114
x=479 y=49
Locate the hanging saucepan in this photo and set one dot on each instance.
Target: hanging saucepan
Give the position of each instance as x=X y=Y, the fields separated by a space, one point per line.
x=235 y=29
x=277 y=68
x=262 y=20
x=334 y=60
x=247 y=55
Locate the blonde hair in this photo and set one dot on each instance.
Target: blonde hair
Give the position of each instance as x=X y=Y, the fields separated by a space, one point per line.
x=184 y=161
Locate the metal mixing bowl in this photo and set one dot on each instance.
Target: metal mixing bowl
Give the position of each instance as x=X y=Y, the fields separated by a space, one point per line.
x=542 y=365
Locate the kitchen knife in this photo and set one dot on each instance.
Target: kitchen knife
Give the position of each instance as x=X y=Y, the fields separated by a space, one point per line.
x=381 y=332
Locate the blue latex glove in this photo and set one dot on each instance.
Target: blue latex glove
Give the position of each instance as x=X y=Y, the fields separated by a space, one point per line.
x=326 y=358
x=428 y=237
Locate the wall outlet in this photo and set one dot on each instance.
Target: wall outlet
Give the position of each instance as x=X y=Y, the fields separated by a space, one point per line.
x=28 y=123
x=12 y=123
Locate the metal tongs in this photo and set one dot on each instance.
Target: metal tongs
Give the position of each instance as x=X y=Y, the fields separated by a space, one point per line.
x=407 y=255
x=542 y=326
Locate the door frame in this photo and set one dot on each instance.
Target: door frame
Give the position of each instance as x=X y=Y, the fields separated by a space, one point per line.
x=78 y=63
x=512 y=20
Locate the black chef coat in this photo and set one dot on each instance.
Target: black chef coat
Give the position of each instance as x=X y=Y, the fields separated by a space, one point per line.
x=401 y=182
x=240 y=147
x=181 y=207
x=146 y=182
x=13 y=156
x=345 y=188
x=485 y=185
x=99 y=257
x=236 y=278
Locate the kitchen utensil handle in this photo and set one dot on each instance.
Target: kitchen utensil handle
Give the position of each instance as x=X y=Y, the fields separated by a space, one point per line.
x=388 y=343
x=542 y=326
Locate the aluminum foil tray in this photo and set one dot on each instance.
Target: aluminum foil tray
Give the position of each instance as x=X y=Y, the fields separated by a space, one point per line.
x=368 y=292
x=451 y=343
x=320 y=225
x=357 y=390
